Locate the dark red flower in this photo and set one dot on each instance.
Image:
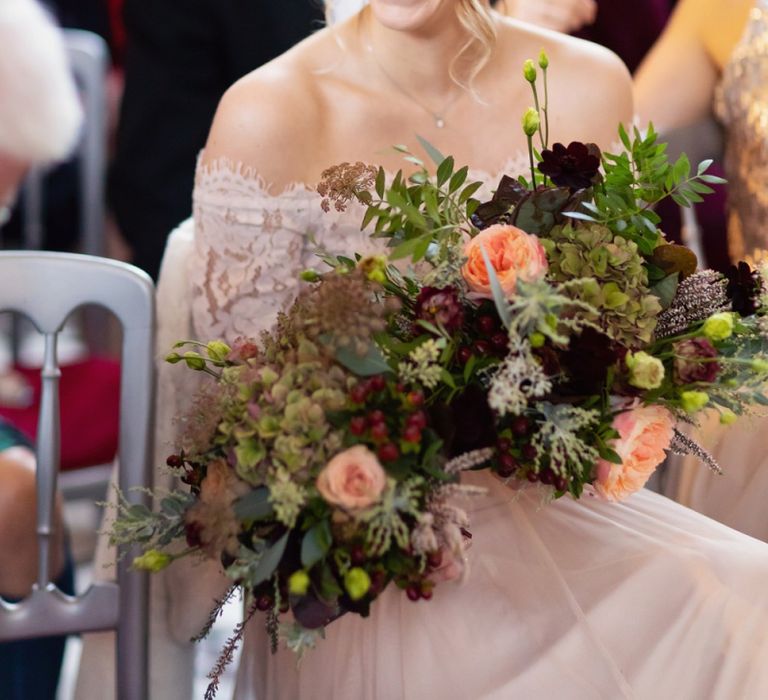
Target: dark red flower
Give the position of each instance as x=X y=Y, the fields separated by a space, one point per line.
x=743 y=288
x=441 y=307
x=576 y=167
x=694 y=363
x=586 y=361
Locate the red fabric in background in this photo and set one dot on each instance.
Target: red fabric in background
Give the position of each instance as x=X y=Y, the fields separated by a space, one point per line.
x=89 y=398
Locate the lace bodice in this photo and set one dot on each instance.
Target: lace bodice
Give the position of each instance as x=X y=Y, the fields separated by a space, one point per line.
x=742 y=106
x=251 y=246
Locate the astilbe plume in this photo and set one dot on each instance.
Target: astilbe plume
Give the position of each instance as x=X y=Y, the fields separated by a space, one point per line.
x=345 y=182
x=697 y=298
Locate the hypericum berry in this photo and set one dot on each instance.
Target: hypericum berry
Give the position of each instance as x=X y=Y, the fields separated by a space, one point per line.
x=482 y=347
x=358 y=393
x=463 y=354
x=357 y=425
x=263 y=603
x=417 y=420
x=379 y=431
x=174 y=461
x=547 y=477
x=500 y=341
x=533 y=477
x=377 y=383
x=413 y=592
x=561 y=483
x=426 y=592
x=507 y=465
x=357 y=555
x=415 y=398
x=412 y=434
x=529 y=452
x=486 y=324
x=284 y=606
x=520 y=426
x=504 y=444
x=376 y=416
x=435 y=559
x=388 y=452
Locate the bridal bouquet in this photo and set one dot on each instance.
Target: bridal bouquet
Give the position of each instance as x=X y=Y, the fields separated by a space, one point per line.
x=550 y=333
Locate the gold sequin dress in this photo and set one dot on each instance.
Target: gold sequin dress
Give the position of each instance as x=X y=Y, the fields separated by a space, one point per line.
x=742 y=107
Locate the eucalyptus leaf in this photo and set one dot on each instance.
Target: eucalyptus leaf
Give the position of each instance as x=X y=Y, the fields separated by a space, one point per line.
x=254 y=505
x=502 y=307
x=666 y=289
x=316 y=543
x=268 y=562
x=373 y=362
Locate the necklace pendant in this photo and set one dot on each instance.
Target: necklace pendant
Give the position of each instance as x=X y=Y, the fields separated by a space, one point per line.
x=439 y=122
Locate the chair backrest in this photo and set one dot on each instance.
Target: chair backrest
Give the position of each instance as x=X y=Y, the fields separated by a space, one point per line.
x=89 y=58
x=46 y=288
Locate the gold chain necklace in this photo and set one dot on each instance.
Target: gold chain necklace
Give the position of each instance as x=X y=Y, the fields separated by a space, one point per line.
x=439 y=116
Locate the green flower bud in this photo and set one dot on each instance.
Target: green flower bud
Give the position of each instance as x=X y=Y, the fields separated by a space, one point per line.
x=529 y=71
x=531 y=121
x=152 y=560
x=645 y=371
x=718 y=326
x=309 y=276
x=759 y=365
x=375 y=268
x=173 y=358
x=298 y=582
x=194 y=360
x=543 y=60
x=357 y=582
x=728 y=417
x=217 y=350
x=693 y=401
x=537 y=340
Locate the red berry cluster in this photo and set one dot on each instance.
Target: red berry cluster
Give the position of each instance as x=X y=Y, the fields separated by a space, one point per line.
x=422 y=588
x=515 y=453
x=491 y=340
x=402 y=423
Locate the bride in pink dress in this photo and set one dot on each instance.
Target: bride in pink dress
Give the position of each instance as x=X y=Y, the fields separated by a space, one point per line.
x=574 y=599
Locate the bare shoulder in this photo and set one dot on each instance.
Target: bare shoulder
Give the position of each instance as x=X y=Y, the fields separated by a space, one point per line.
x=590 y=87
x=271 y=117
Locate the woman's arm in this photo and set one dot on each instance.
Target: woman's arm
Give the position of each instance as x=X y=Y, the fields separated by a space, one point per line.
x=675 y=84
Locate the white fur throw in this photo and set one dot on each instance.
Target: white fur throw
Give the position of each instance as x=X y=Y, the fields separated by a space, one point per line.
x=40 y=112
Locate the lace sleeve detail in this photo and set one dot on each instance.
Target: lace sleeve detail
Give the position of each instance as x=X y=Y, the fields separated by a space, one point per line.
x=250 y=247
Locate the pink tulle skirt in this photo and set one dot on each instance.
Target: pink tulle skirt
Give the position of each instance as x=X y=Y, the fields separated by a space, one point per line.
x=570 y=599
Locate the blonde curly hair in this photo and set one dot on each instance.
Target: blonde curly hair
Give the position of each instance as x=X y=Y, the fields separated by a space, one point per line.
x=476 y=17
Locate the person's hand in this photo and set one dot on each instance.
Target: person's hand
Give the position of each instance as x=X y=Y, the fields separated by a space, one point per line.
x=561 y=15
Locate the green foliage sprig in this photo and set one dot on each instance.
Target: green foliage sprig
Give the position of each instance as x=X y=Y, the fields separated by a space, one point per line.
x=635 y=181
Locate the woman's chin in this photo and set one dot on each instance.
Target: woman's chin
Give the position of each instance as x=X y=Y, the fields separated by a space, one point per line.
x=407 y=15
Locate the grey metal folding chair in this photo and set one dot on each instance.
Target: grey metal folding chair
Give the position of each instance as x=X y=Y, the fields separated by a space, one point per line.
x=46 y=288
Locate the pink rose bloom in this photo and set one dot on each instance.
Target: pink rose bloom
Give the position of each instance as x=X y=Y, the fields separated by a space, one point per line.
x=645 y=433
x=513 y=254
x=353 y=479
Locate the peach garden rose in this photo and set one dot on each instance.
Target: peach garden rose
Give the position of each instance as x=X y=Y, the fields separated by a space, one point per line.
x=645 y=433
x=353 y=479
x=513 y=254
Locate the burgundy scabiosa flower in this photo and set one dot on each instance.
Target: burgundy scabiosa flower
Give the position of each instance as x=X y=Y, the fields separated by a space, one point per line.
x=575 y=167
x=744 y=288
x=694 y=361
x=440 y=306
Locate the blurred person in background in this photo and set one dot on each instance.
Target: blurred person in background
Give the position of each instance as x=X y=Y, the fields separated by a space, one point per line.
x=713 y=56
x=39 y=122
x=180 y=58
